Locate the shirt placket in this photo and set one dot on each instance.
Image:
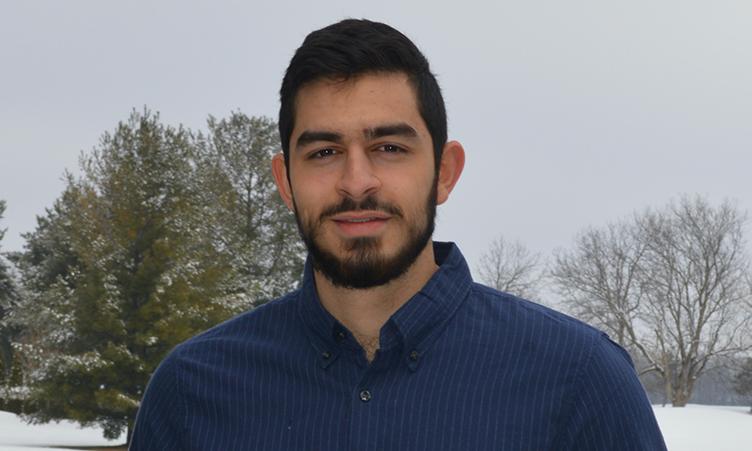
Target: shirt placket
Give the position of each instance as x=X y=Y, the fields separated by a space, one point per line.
x=367 y=403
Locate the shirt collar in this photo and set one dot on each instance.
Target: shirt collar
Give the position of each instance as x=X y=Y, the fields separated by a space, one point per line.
x=415 y=325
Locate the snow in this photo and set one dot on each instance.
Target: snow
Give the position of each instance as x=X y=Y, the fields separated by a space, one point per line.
x=15 y=434
x=703 y=428
x=692 y=428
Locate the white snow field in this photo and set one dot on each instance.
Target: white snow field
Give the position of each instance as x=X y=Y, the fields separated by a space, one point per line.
x=16 y=435
x=705 y=428
x=693 y=428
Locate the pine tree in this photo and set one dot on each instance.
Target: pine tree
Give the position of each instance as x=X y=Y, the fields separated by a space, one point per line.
x=8 y=298
x=163 y=235
x=48 y=267
x=132 y=280
x=250 y=223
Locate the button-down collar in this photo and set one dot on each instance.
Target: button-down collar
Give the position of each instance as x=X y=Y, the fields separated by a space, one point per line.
x=414 y=326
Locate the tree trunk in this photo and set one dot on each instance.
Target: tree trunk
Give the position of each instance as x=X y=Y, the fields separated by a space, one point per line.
x=668 y=389
x=681 y=397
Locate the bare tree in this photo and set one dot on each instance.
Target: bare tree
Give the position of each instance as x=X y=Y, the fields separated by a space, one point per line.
x=599 y=279
x=670 y=285
x=513 y=268
x=695 y=278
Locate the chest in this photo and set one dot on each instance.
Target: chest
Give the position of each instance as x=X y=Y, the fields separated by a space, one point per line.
x=447 y=402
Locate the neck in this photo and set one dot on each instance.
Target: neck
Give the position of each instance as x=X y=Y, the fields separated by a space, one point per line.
x=364 y=311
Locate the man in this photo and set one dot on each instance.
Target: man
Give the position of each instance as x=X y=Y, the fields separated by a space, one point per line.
x=387 y=344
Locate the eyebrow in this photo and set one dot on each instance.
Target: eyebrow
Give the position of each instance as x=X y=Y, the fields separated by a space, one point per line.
x=398 y=129
x=311 y=136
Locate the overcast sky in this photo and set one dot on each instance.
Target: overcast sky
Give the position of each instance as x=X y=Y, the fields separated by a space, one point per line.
x=572 y=113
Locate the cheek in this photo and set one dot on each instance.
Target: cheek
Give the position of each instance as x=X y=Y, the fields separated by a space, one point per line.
x=412 y=199
x=313 y=182
x=302 y=183
x=411 y=186
x=310 y=198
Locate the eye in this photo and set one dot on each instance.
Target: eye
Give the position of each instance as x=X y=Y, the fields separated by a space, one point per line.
x=391 y=148
x=322 y=153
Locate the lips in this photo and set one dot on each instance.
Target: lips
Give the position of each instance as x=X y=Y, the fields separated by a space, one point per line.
x=361 y=223
x=360 y=220
x=360 y=217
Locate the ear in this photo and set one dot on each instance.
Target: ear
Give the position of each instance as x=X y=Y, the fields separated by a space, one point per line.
x=452 y=162
x=279 y=170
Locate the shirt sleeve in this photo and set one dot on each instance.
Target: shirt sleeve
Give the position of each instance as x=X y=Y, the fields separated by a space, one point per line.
x=160 y=416
x=609 y=408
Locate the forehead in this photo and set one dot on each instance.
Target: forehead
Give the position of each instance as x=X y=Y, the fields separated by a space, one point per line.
x=357 y=103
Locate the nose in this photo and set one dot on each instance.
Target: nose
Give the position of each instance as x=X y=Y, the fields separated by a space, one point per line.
x=358 y=179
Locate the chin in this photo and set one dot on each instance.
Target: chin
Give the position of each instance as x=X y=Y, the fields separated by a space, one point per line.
x=364 y=263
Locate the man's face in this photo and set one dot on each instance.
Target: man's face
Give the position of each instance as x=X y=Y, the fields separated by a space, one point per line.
x=362 y=178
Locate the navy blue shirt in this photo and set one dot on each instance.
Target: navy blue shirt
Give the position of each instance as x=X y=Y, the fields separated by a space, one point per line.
x=460 y=367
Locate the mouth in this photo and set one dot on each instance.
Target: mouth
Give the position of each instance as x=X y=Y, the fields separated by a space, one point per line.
x=361 y=216
x=361 y=223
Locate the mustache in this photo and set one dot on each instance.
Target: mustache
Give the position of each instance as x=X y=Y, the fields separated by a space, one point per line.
x=348 y=205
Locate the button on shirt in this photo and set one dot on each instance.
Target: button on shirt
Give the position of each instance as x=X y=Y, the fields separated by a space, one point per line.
x=460 y=367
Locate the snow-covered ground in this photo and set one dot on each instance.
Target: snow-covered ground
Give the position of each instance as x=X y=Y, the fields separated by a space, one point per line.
x=705 y=428
x=16 y=435
x=693 y=428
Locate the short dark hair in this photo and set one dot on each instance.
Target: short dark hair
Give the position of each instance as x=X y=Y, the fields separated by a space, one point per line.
x=355 y=47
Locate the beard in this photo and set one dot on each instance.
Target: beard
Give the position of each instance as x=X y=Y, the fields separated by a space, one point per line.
x=364 y=266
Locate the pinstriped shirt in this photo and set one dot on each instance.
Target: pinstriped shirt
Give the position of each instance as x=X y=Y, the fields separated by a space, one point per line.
x=460 y=367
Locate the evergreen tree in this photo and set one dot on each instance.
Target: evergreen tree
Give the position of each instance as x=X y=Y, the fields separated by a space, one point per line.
x=48 y=267
x=250 y=223
x=132 y=280
x=8 y=298
x=163 y=235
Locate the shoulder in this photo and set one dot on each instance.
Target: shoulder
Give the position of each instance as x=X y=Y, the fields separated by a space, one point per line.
x=509 y=304
x=535 y=327
x=261 y=323
x=241 y=340
x=602 y=404
x=607 y=407
x=257 y=325
x=223 y=348
x=161 y=418
x=540 y=338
